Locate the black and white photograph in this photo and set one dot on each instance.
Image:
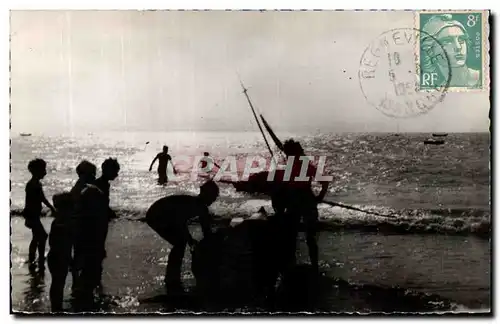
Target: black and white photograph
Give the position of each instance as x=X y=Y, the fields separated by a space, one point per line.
x=250 y=162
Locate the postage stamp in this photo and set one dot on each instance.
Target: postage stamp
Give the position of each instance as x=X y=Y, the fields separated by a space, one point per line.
x=463 y=35
x=389 y=78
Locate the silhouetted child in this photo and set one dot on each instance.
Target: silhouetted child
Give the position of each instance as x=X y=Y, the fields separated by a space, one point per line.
x=61 y=245
x=92 y=229
x=33 y=210
x=85 y=196
x=169 y=217
x=300 y=202
x=110 y=169
x=86 y=172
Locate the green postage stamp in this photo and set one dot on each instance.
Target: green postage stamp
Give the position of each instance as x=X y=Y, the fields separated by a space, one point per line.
x=452 y=50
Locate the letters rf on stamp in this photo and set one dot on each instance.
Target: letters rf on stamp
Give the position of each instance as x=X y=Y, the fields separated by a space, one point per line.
x=462 y=36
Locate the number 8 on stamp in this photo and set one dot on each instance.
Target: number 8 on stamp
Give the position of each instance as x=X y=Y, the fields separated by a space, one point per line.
x=462 y=35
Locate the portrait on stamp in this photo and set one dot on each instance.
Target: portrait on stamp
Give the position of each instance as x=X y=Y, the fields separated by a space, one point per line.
x=460 y=36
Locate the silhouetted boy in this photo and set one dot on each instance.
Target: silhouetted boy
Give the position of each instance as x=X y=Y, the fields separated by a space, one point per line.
x=300 y=202
x=89 y=204
x=61 y=245
x=33 y=210
x=169 y=217
x=110 y=169
x=86 y=172
x=163 y=159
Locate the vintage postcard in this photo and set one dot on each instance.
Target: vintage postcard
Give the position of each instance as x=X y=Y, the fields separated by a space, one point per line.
x=250 y=162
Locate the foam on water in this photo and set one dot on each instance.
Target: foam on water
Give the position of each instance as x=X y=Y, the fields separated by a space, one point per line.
x=459 y=222
x=430 y=190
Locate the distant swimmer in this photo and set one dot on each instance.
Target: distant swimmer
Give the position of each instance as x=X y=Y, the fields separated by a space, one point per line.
x=33 y=210
x=163 y=159
x=169 y=218
x=207 y=163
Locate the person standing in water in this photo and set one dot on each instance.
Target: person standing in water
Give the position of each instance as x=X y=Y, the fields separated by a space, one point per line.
x=207 y=163
x=169 y=218
x=33 y=210
x=300 y=203
x=163 y=159
x=110 y=169
x=89 y=204
x=86 y=172
x=205 y=160
x=59 y=258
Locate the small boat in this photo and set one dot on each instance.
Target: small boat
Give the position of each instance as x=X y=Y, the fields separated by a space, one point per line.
x=25 y=134
x=397 y=132
x=433 y=142
x=439 y=134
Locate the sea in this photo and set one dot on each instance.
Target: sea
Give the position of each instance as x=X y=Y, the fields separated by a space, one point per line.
x=434 y=241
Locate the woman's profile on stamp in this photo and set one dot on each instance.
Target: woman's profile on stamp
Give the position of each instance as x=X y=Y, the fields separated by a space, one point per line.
x=452 y=37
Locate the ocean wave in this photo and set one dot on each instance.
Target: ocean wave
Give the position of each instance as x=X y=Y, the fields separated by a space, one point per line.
x=465 y=221
x=407 y=221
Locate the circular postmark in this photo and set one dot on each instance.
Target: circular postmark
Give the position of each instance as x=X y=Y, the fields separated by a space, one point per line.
x=389 y=73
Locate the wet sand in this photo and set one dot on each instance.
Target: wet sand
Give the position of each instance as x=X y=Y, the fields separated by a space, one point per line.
x=456 y=268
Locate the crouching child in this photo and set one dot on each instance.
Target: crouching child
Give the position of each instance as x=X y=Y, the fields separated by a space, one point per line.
x=169 y=218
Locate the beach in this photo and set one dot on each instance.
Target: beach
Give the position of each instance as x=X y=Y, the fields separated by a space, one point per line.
x=455 y=268
x=438 y=244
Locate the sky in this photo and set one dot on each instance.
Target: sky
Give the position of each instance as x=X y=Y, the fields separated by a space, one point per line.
x=178 y=70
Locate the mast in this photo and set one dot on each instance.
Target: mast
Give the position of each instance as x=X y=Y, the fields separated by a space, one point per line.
x=256 y=119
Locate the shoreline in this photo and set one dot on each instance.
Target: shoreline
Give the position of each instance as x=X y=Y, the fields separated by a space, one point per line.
x=452 y=267
x=483 y=231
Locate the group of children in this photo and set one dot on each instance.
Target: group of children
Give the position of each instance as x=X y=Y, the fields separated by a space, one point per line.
x=79 y=230
x=293 y=201
x=78 y=233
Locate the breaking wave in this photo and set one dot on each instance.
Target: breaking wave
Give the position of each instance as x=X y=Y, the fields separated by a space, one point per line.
x=466 y=221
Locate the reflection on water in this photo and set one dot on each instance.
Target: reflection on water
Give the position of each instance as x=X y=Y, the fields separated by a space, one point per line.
x=33 y=294
x=362 y=272
x=400 y=172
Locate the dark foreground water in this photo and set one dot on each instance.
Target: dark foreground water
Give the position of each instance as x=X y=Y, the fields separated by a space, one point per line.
x=455 y=270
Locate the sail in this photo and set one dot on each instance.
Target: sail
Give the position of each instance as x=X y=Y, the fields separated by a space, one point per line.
x=272 y=134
